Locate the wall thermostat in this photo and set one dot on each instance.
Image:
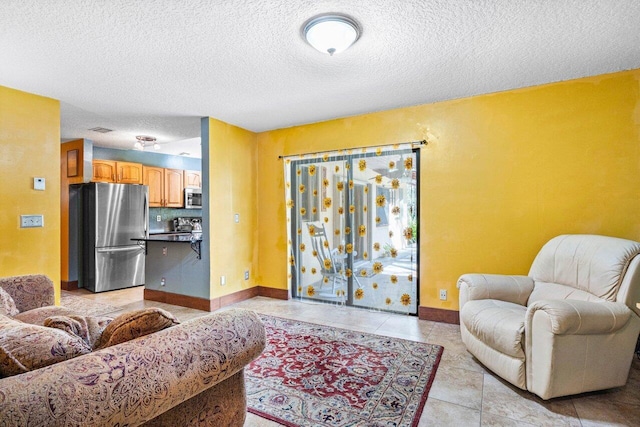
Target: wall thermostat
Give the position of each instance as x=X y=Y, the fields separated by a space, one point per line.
x=38 y=183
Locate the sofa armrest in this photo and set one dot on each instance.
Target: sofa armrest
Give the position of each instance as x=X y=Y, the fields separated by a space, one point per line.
x=133 y=382
x=574 y=317
x=515 y=289
x=29 y=292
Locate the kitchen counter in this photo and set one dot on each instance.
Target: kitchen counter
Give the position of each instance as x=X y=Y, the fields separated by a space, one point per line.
x=193 y=239
x=173 y=237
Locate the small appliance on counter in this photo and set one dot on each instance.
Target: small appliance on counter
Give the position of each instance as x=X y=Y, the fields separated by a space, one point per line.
x=187 y=224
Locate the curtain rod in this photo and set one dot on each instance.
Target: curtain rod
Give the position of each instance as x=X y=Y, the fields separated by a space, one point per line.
x=422 y=142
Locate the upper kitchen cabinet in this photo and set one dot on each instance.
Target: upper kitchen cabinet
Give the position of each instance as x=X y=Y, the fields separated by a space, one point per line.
x=104 y=171
x=192 y=179
x=154 y=178
x=166 y=188
x=121 y=172
x=174 y=188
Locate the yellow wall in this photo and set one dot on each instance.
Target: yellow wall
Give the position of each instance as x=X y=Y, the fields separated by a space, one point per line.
x=29 y=147
x=232 y=190
x=504 y=173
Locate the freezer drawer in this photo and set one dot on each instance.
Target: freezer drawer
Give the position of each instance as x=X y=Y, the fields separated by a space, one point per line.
x=117 y=268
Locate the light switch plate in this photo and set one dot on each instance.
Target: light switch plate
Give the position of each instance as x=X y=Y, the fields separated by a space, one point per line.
x=31 y=221
x=38 y=184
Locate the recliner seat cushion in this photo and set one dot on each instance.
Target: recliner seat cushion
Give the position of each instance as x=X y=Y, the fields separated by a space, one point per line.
x=498 y=324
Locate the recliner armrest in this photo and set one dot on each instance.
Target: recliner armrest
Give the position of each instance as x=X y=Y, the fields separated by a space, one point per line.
x=574 y=317
x=515 y=289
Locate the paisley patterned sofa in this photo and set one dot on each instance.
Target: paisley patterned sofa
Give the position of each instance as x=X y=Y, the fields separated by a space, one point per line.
x=191 y=374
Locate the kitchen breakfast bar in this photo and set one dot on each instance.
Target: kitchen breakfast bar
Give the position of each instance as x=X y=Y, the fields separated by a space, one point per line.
x=173 y=263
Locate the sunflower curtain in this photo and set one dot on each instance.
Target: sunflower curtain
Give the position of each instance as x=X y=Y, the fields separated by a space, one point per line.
x=352 y=227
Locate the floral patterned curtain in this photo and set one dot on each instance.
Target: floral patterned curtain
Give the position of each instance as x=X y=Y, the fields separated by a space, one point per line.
x=352 y=227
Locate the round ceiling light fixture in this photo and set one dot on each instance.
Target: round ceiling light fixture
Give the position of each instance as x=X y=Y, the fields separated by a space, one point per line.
x=331 y=33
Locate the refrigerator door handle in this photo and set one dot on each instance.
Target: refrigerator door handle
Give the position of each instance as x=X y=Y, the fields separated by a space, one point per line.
x=146 y=213
x=118 y=249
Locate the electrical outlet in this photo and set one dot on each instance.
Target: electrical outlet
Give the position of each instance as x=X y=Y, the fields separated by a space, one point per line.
x=31 y=221
x=164 y=251
x=246 y=275
x=163 y=282
x=236 y=217
x=223 y=280
x=443 y=294
x=158 y=218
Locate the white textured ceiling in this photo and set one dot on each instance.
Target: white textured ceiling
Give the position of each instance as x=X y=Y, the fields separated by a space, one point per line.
x=154 y=67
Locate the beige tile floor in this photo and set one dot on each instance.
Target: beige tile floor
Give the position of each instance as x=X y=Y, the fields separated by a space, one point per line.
x=464 y=393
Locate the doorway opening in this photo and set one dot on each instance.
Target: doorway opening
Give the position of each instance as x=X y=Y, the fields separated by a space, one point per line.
x=353 y=222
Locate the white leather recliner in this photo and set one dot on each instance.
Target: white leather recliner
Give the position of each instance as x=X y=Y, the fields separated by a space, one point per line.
x=569 y=327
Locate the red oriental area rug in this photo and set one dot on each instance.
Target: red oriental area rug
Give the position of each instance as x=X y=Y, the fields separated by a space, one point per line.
x=313 y=375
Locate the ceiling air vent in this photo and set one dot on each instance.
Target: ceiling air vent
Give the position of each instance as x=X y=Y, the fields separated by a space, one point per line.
x=101 y=130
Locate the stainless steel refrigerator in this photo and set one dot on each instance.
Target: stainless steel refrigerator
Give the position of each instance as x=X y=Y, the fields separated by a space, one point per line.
x=111 y=217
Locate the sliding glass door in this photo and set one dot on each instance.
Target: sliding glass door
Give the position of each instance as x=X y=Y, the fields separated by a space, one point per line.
x=353 y=222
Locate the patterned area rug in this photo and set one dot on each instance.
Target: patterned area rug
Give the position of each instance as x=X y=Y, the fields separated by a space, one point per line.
x=313 y=375
x=85 y=306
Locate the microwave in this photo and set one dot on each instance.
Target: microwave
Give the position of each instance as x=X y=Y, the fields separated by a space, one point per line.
x=193 y=198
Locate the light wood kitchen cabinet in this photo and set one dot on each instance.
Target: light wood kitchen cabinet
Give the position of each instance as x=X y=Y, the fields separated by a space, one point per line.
x=104 y=171
x=192 y=179
x=154 y=178
x=129 y=173
x=173 y=188
x=166 y=187
x=113 y=171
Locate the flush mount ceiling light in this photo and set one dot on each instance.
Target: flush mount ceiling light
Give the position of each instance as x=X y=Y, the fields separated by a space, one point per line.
x=142 y=142
x=331 y=33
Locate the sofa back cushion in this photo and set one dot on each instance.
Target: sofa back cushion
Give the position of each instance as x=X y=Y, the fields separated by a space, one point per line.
x=7 y=304
x=581 y=266
x=25 y=347
x=88 y=328
x=134 y=324
x=38 y=315
x=29 y=292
